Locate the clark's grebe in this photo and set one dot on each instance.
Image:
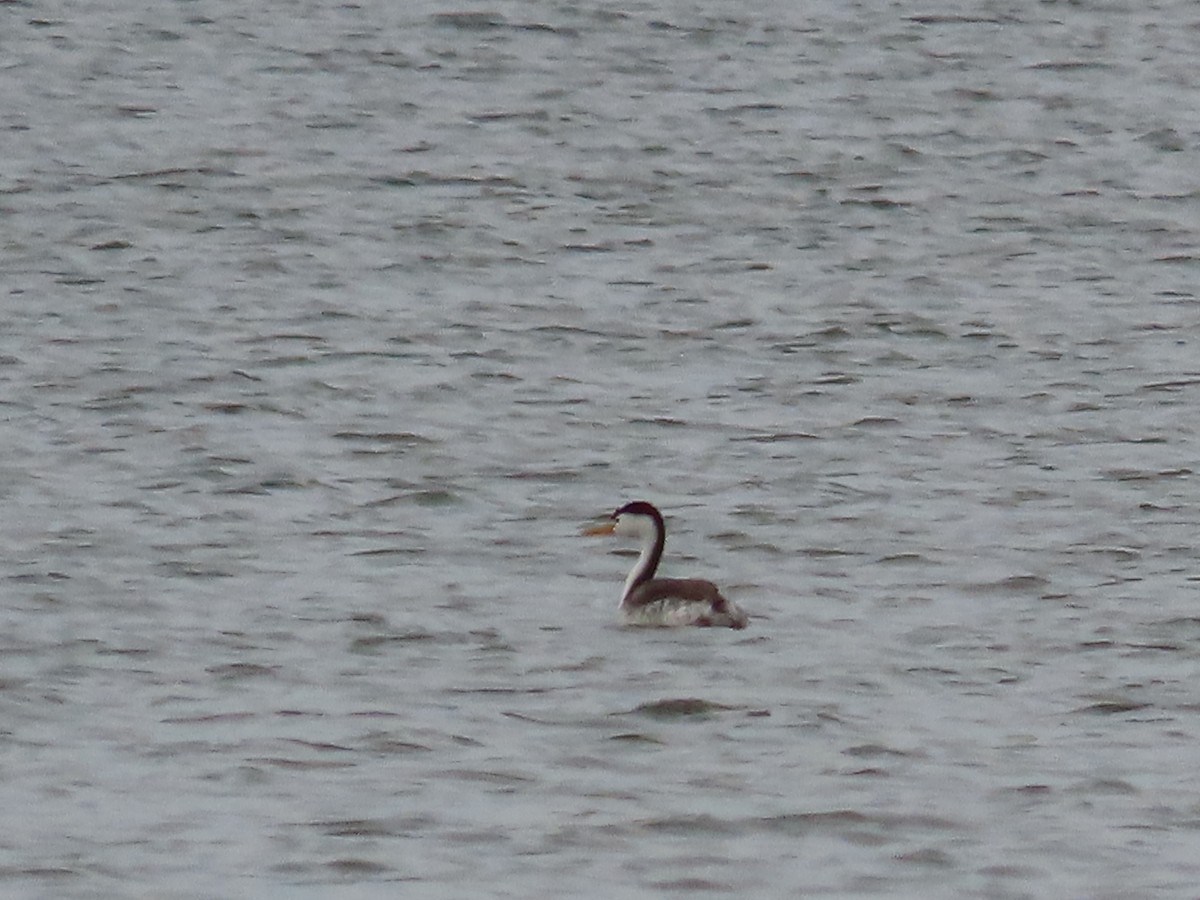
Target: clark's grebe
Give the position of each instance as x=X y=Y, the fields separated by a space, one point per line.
x=647 y=600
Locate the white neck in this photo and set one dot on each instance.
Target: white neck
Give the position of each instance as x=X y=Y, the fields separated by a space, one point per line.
x=649 y=539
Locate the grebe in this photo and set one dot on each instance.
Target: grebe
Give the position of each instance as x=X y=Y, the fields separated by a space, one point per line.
x=661 y=602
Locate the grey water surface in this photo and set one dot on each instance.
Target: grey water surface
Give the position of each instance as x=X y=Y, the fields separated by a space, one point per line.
x=327 y=325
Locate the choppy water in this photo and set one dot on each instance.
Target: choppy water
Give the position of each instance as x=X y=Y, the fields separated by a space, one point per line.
x=326 y=327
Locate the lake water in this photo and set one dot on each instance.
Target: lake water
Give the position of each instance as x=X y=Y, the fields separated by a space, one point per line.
x=327 y=326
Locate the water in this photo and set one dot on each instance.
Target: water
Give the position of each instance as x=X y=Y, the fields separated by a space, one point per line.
x=328 y=326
